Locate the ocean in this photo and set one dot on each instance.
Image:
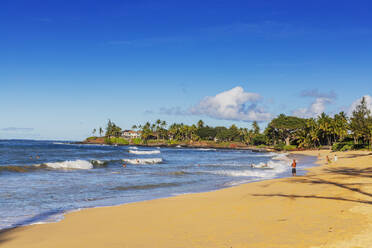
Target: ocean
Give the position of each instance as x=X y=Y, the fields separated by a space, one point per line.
x=42 y=180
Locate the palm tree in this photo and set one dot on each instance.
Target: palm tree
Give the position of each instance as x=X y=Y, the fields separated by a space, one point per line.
x=200 y=124
x=256 y=127
x=341 y=125
x=100 y=131
x=325 y=126
x=94 y=131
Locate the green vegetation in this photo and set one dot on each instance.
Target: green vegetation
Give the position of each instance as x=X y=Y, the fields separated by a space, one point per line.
x=137 y=141
x=282 y=133
x=116 y=140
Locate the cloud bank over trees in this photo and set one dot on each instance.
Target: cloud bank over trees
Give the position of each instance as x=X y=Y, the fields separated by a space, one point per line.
x=368 y=99
x=318 y=105
x=234 y=104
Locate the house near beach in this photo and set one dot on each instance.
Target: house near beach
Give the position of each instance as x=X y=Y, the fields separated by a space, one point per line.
x=130 y=134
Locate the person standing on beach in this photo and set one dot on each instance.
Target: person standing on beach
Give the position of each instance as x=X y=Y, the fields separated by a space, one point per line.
x=328 y=160
x=293 y=165
x=335 y=158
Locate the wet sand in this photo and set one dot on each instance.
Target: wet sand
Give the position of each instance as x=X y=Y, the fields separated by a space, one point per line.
x=331 y=206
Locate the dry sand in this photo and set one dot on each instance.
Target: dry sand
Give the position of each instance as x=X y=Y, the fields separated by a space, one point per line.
x=329 y=207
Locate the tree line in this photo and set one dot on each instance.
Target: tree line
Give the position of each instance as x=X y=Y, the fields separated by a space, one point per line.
x=339 y=131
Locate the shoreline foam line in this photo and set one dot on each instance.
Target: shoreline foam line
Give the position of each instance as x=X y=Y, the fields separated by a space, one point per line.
x=149 y=208
x=232 y=184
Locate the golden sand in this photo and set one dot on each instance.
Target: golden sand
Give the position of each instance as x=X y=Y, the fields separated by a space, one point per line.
x=329 y=207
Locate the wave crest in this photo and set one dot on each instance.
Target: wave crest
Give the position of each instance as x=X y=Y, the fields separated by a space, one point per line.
x=144 y=152
x=273 y=169
x=144 y=161
x=71 y=164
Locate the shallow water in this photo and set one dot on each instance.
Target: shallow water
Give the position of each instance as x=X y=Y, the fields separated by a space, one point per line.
x=69 y=176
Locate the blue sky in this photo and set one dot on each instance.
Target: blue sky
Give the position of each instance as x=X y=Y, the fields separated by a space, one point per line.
x=68 y=66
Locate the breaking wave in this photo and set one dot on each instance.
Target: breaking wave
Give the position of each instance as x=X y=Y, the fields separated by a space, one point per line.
x=64 y=165
x=281 y=156
x=144 y=152
x=144 y=161
x=273 y=169
x=71 y=164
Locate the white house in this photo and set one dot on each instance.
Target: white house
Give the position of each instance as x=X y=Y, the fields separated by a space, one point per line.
x=130 y=134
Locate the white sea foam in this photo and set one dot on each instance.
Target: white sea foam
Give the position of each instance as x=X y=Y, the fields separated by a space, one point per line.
x=235 y=183
x=260 y=171
x=281 y=156
x=143 y=161
x=76 y=164
x=133 y=147
x=206 y=149
x=60 y=143
x=144 y=152
x=99 y=161
x=264 y=154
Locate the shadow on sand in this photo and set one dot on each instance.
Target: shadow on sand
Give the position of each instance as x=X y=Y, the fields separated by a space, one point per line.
x=354 y=187
x=358 y=155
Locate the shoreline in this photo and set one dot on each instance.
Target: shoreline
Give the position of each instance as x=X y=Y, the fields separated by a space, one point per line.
x=60 y=216
x=224 y=192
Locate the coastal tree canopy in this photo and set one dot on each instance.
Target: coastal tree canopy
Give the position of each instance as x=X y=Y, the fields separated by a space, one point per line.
x=361 y=122
x=284 y=128
x=336 y=131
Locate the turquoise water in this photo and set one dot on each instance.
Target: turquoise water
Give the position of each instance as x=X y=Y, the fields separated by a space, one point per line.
x=67 y=176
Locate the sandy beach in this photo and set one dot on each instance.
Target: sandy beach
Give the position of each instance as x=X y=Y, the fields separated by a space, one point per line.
x=329 y=207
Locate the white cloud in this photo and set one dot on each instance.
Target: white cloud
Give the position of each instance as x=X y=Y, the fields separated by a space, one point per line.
x=317 y=107
x=319 y=104
x=357 y=102
x=234 y=104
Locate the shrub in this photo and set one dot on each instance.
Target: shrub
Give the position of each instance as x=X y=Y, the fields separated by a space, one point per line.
x=137 y=141
x=107 y=140
x=337 y=146
x=289 y=148
x=116 y=140
x=261 y=146
x=346 y=148
x=173 y=142
x=92 y=138
x=359 y=146
x=279 y=146
x=259 y=139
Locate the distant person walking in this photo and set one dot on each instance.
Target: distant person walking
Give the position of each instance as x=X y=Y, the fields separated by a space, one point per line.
x=335 y=158
x=293 y=165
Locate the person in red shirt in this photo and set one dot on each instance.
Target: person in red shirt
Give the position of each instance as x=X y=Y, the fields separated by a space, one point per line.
x=294 y=164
